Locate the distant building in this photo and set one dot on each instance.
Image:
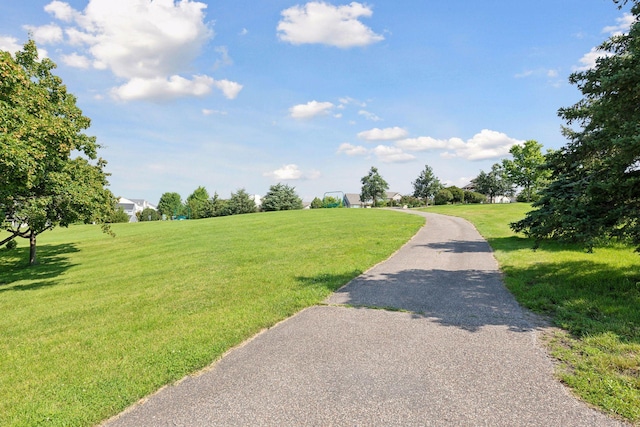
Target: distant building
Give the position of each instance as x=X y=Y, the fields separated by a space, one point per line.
x=133 y=206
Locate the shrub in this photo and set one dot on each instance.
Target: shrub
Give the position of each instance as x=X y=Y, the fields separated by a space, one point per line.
x=11 y=245
x=443 y=197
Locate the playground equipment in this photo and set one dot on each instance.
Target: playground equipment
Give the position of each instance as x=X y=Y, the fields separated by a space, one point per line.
x=329 y=201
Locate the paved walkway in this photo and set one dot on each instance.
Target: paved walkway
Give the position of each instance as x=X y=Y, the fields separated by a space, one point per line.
x=451 y=347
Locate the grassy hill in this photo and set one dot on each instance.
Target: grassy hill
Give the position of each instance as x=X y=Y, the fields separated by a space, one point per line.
x=103 y=321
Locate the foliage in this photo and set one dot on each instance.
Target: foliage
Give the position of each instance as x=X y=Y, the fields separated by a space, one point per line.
x=443 y=197
x=595 y=189
x=331 y=202
x=527 y=169
x=240 y=203
x=148 y=214
x=411 y=202
x=374 y=187
x=316 y=203
x=457 y=194
x=493 y=184
x=118 y=216
x=170 y=205
x=594 y=298
x=474 y=197
x=218 y=207
x=11 y=245
x=426 y=186
x=41 y=185
x=198 y=203
x=100 y=324
x=281 y=197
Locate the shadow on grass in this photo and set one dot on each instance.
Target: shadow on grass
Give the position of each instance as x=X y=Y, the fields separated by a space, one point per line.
x=14 y=267
x=583 y=297
x=330 y=282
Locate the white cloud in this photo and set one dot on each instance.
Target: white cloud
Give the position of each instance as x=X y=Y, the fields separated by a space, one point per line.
x=323 y=23
x=76 y=61
x=426 y=143
x=623 y=26
x=208 y=112
x=387 y=134
x=369 y=116
x=352 y=150
x=9 y=44
x=310 y=109
x=224 y=60
x=61 y=10
x=588 y=60
x=291 y=172
x=487 y=144
x=45 y=34
x=392 y=154
x=147 y=43
x=229 y=89
x=161 y=89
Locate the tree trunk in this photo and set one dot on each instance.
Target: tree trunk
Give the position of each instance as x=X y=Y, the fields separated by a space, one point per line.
x=32 y=249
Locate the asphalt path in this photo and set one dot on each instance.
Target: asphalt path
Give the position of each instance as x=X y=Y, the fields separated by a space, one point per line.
x=430 y=337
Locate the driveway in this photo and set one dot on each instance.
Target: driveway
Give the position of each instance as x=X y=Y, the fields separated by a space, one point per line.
x=430 y=337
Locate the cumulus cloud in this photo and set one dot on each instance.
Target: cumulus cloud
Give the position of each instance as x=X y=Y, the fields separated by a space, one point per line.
x=76 y=61
x=9 y=44
x=387 y=134
x=292 y=172
x=352 y=150
x=388 y=154
x=322 y=23
x=487 y=144
x=588 y=60
x=147 y=43
x=45 y=34
x=310 y=109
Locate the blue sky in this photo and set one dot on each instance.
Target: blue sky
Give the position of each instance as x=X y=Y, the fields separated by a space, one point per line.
x=249 y=93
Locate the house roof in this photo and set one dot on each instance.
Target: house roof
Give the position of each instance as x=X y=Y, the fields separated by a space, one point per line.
x=353 y=199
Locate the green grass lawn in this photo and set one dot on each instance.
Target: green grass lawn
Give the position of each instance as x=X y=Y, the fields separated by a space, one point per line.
x=102 y=321
x=594 y=297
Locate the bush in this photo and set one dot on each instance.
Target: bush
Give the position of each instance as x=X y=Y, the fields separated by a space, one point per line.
x=474 y=197
x=119 y=216
x=316 y=203
x=443 y=197
x=11 y=245
x=148 y=214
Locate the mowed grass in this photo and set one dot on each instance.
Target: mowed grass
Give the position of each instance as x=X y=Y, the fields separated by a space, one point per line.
x=103 y=321
x=593 y=297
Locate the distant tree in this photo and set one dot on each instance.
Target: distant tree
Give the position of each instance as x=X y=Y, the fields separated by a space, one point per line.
x=119 y=215
x=456 y=193
x=474 y=197
x=316 y=203
x=374 y=187
x=241 y=203
x=595 y=188
x=148 y=214
x=443 y=197
x=411 y=201
x=41 y=127
x=170 y=205
x=218 y=206
x=331 y=202
x=493 y=184
x=198 y=203
x=527 y=169
x=426 y=185
x=281 y=197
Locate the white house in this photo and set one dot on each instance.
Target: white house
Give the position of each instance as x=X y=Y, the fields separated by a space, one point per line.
x=133 y=206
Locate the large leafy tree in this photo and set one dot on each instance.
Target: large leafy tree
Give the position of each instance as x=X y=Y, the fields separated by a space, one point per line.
x=374 y=187
x=170 y=204
x=595 y=189
x=41 y=184
x=527 y=169
x=426 y=186
x=281 y=197
x=493 y=183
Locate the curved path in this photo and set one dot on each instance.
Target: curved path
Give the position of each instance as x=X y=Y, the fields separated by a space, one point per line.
x=451 y=347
